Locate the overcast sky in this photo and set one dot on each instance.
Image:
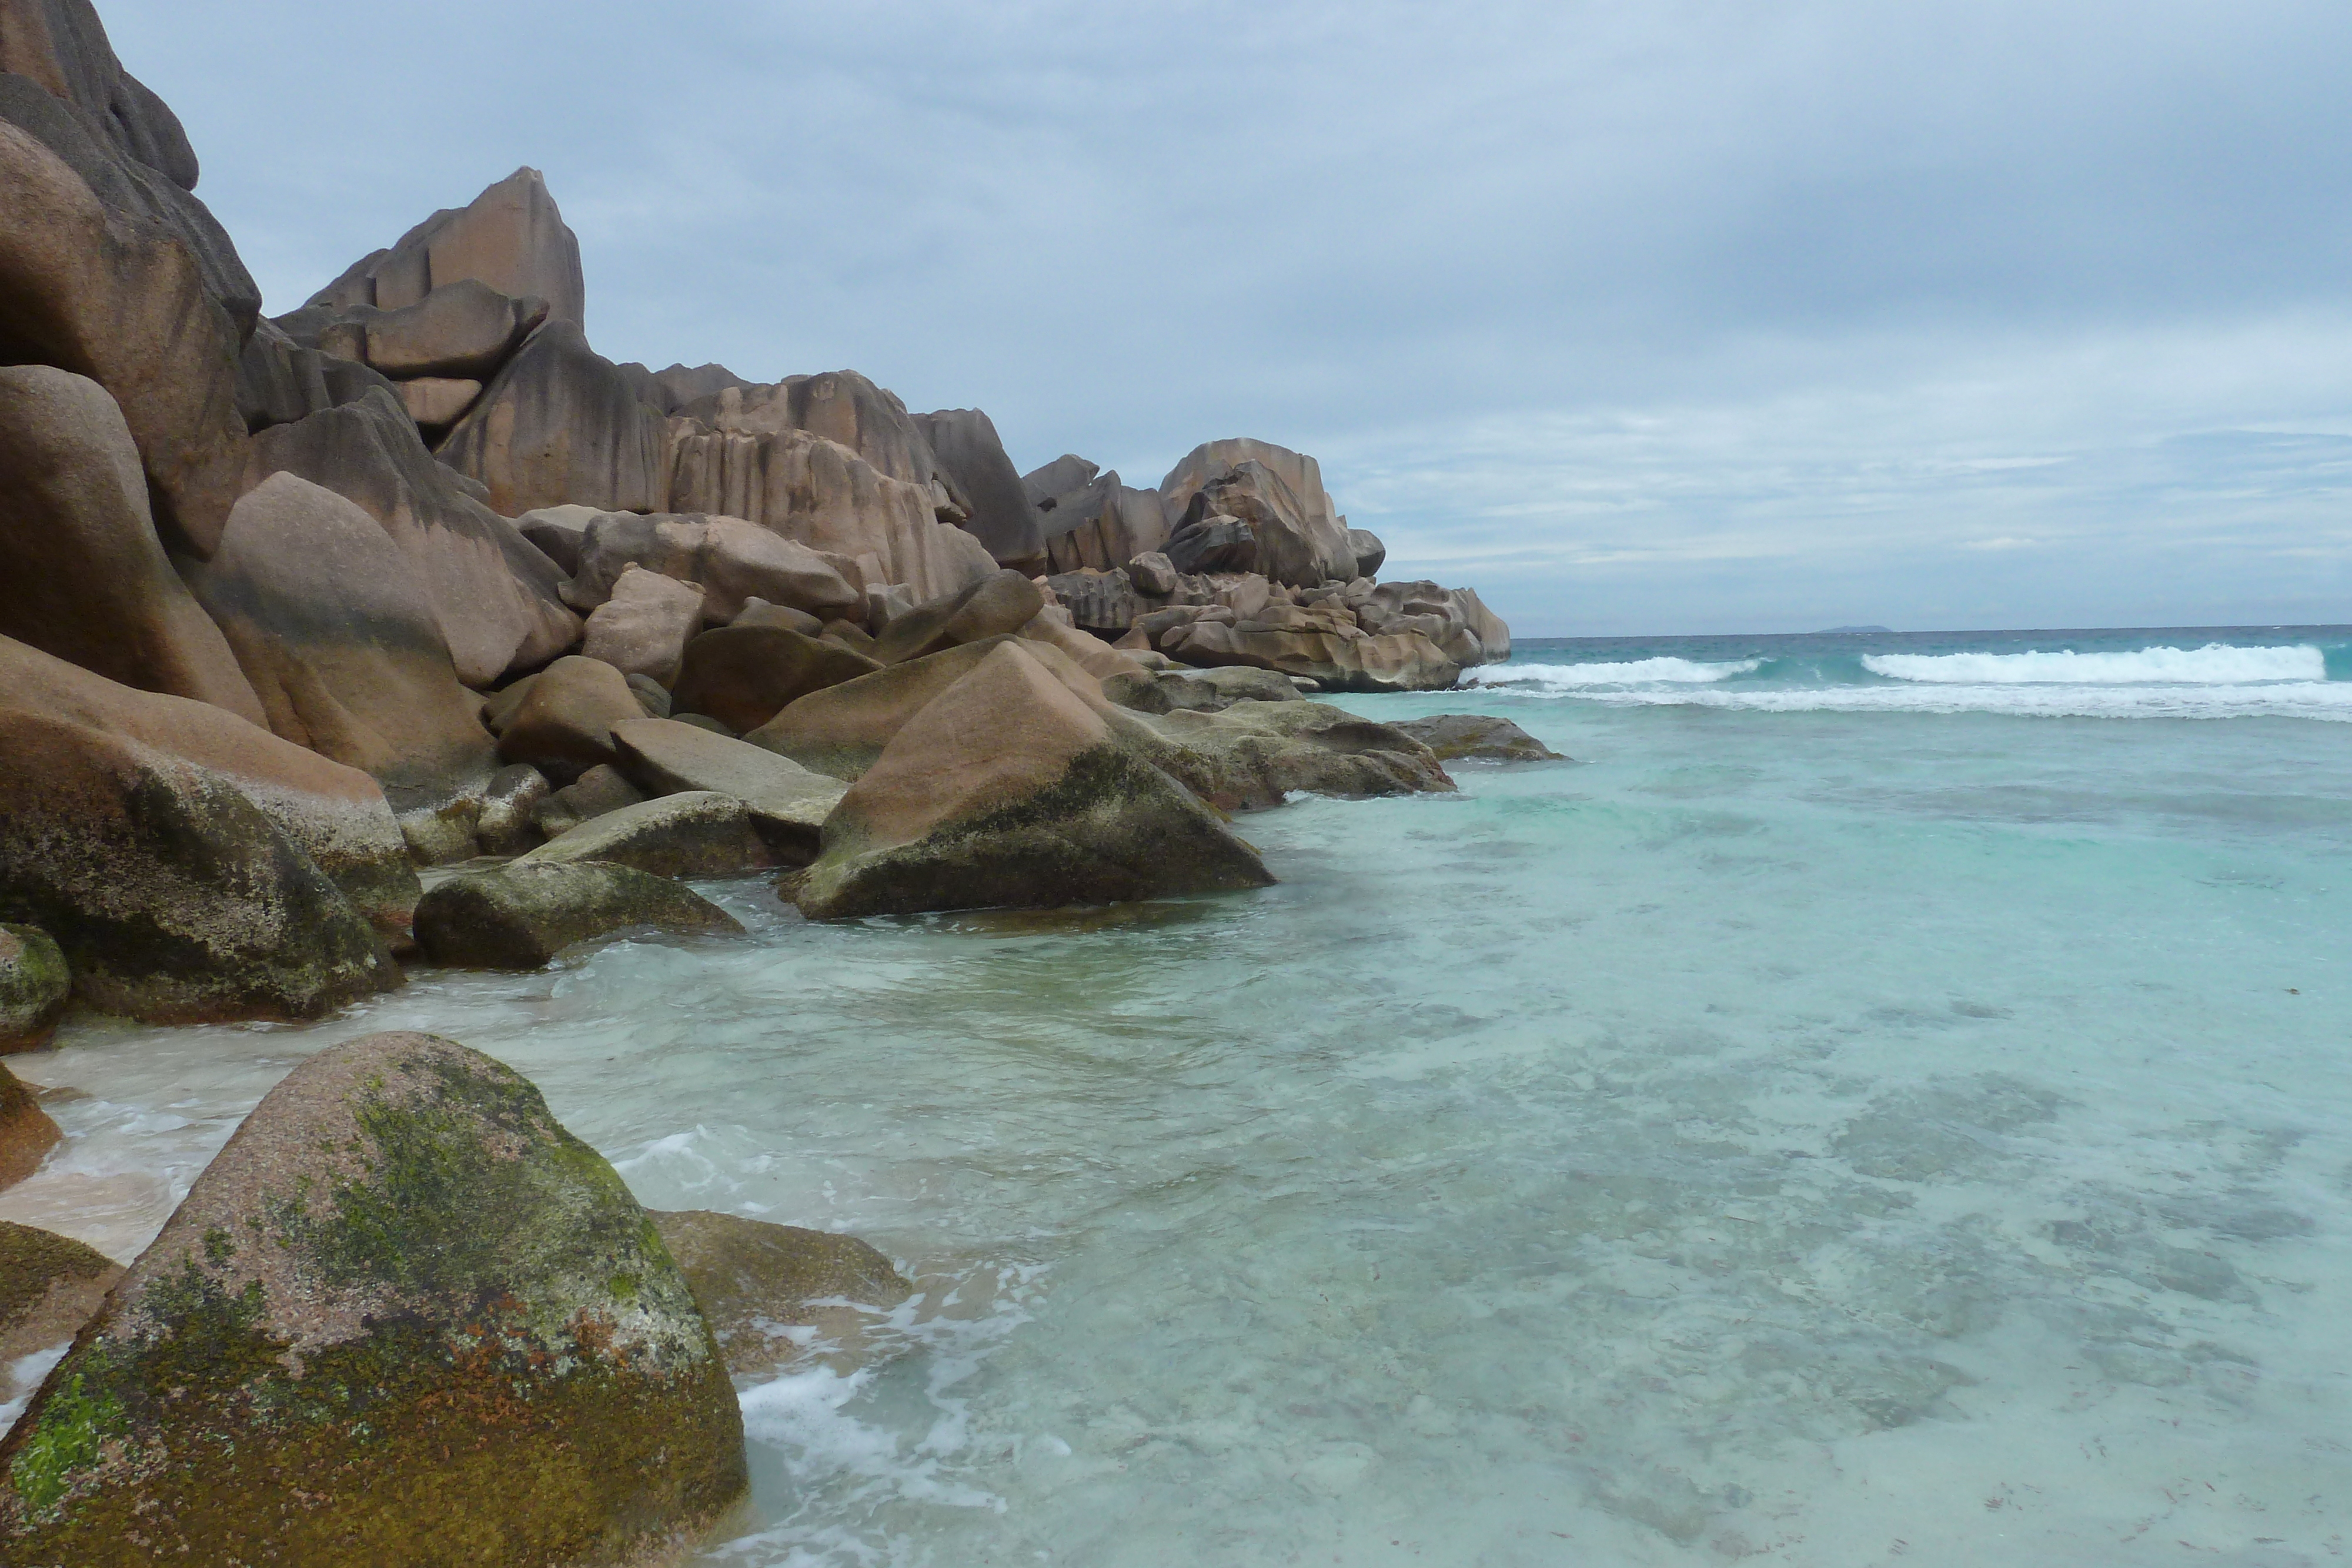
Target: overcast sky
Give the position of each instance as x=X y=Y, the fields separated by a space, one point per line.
x=1658 y=316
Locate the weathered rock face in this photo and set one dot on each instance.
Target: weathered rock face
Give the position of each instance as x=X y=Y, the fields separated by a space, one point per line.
x=743 y=675
x=643 y=627
x=1002 y=603
x=1324 y=647
x=278 y=381
x=511 y=801
x=1455 y=620
x=564 y=725
x=512 y=238
x=1299 y=542
x=1370 y=552
x=560 y=424
x=698 y=833
x=734 y=561
x=495 y=595
x=49 y=1286
x=1103 y=602
x=522 y=914
x=334 y=630
x=601 y=791
x=972 y=456
x=1009 y=790
x=34 y=986
x=337 y=816
x=1103 y=526
x=61 y=46
x=755 y=1280
x=174 y=899
x=840 y=406
x=27 y=1133
x=1252 y=755
x=1153 y=574
x=1202 y=691
x=111 y=271
x=1213 y=543
x=464 y=329
x=841 y=730
x=788 y=803
x=87 y=578
x=402 y=1317
x=1065 y=476
x=557 y=532
x=1476 y=737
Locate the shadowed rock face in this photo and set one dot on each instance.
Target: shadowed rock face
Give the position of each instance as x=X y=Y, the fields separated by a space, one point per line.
x=743 y=675
x=971 y=455
x=559 y=425
x=174 y=899
x=402 y=1317
x=521 y=916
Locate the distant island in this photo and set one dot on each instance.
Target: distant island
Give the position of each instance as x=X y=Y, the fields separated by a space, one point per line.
x=1854 y=631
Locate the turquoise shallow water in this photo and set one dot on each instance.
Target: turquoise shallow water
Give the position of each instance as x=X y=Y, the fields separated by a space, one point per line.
x=1914 y=1128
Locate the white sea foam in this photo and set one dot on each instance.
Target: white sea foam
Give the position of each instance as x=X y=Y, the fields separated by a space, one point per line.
x=2214 y=665
x=1634 y=672
x=2325 y=700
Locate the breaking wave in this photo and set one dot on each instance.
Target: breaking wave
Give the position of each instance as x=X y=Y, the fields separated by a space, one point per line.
x=1637 y=672
x=2214 y=665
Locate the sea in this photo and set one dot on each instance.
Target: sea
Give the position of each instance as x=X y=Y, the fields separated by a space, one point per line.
x=1887 y=1099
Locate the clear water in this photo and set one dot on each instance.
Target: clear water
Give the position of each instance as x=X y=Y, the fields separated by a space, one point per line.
x=1864 y=1112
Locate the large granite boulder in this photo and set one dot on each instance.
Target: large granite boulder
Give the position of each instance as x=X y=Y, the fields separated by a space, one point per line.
x=564 y=724
x=643 y=628
x=1002 y=603
x=734 y=562
x=335 y=816
x=335 y=632
x=27 y=1133
x=1211 y=542
x=522 y=914
x=1455 y=619
x=35 y=984
x=1009 y=788
x=1198 y=690
x=86 y=577
x=61 y=47
x=1065 y=476
x=403 y=1317
x=560 y=424
x=756 y=1282
x=1103 y=602
x=1321 y=647
x=1254 y=755
x=1370 y=552
x=111 y=271
x=174 y=899
x=697 y=833
x=971 y=455
x=1299 y=542
x=1476 y=737
x=496 y=596
x=1104 y=525
x=788 y=803
x=743 y=675
x=49 y=1286
x=840 y=406
x=512 y=237
x=841 y=730
x=462 y=330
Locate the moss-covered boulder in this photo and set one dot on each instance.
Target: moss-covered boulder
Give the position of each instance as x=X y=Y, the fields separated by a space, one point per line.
x=756 y=1280
x=521 y=916
x=699 y=832
x=1010 y=789
x=49 y=1286
x=34 y=986
x=27 y=1133
x=403 y=1317
x=1477 y=738
x=175 y=899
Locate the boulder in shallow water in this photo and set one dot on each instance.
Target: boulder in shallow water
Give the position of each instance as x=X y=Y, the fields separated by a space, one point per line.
x=49 y=1286
x=1009 y=788
x=34 y=986
x=787 y=802
x=1253 y=755
x=403 y=1317
x=521 y=916
x=27 y=1133
x=755 y=1280
x=1476 y=737
x=174 y=899
x=697 y=833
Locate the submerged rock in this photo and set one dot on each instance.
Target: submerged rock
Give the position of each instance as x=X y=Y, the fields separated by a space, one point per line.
x=34 y=986
x=698 y=833
x=403 y=1317
x=27 y=1134
x=1009 y=788
x=1476 y=737
x=521 y=916
x=49 y=1286
x=755 y=1280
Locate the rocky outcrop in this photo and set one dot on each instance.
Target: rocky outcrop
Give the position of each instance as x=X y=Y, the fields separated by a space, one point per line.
x=643 y=628
x=757 y=1282
x=560 y=424
x=174 y=899
x=744 y=675
x=1212 y=542
x=787 y=803
x=1198 y=690
x=841 y=730
x=563 y=725
x=337 y=817
x=1370 y=552
x=697 y=833
x=87 y=578
x=1008 y=789
x=49 y=1286
x=335 y=632
x=1000 y=603
x=1323 y=646
x=1252 y=755
x=495 y=595
x=843 y=407
x=402 y=1317
x=510 y=237
x=464 y=329
x=524 y=913
x=1103 y=525
x=34 y=986
x=27 y=1133
x=971 y=457
x=1298 y=539
x=1476 y=737
x=734 y=561
x=598 y=792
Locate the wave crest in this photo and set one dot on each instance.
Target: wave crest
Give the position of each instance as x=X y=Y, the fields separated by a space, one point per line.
x=1634 y=673
x=2214 y=665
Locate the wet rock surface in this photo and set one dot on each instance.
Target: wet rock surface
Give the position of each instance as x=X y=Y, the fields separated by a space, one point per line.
x=521 y=916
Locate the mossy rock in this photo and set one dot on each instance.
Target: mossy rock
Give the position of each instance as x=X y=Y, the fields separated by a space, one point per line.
x=34 y=986
x=27 y=1133
x=521 y=916
x=753 y=1278
x=49 y=1286
x=402 y=1318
